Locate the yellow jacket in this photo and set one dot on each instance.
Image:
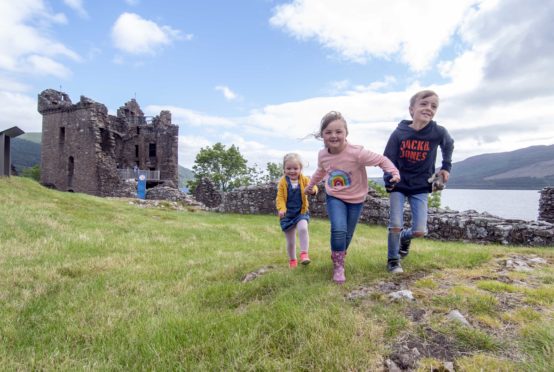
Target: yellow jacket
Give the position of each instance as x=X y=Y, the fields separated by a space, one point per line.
x=281 y=200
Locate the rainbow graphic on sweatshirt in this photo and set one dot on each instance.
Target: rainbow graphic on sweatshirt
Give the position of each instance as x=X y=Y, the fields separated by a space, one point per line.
x=338 y=178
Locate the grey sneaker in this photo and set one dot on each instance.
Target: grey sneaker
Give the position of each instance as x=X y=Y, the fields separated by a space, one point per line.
x=404 y=248
x=393 y=266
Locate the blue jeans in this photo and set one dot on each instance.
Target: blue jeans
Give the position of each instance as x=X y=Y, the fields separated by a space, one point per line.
x=344 y=218
x=418 y=205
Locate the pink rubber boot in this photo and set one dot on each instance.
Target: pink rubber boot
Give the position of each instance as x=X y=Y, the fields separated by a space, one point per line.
x=338 y=266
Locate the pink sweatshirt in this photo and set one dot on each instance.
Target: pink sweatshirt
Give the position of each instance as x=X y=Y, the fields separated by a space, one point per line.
x=345 y=174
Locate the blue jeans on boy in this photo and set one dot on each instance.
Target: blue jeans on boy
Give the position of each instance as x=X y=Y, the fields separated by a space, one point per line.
x=344 y=218
x=418 y=205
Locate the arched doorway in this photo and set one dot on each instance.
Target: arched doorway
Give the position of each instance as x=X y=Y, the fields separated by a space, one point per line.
x=70 y=173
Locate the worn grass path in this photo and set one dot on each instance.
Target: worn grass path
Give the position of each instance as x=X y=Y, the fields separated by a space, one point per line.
x=91 y=283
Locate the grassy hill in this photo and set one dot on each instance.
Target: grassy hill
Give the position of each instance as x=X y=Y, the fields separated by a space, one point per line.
x=25 y=150
x=105 y=284
x=528 y=168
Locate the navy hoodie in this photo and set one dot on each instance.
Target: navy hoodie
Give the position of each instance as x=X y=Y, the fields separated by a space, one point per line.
x=414 y=153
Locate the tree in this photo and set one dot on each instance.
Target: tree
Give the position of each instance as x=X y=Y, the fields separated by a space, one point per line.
x=32 y=172
x=274 y=171
x=379 y=189
x=226 y=168
x=435 y=199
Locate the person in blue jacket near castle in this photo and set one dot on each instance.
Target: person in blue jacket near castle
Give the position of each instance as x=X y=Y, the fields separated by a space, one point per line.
x=412 y=147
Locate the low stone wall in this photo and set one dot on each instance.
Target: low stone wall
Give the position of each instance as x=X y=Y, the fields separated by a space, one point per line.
x=443 y=224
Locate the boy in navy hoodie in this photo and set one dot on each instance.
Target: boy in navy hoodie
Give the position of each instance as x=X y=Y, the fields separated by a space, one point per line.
x=412 y=147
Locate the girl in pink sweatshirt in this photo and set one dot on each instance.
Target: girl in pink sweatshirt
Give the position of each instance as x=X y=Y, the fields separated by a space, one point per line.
x=342 y=165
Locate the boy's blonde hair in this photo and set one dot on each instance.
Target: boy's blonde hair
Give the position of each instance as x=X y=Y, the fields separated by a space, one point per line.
x=294 y=157
x=422 y=95
x=330 y=117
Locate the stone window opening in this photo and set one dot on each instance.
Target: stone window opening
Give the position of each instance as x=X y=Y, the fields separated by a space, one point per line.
x=105 y=138
x=62 y=135
x=136 y=151
x=152 y=150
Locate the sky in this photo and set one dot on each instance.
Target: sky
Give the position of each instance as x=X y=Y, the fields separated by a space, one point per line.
x=260 y=74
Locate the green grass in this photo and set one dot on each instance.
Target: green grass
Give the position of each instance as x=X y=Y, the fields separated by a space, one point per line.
x=92 y=283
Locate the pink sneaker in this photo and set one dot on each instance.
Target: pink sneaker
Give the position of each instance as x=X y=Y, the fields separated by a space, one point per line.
x=293 y=263
x=304 y=258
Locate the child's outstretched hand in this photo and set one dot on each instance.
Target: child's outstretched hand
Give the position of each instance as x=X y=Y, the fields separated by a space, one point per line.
x=445 y=175
x=395 y=179
x=309 y=190
x=390 y=180
x=282 y=214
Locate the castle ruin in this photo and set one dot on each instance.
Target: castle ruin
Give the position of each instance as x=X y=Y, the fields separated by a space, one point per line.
x=84 y=149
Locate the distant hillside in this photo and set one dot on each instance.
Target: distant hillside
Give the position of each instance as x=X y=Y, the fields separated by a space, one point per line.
x=185 y=175
x=529 y=168
x=25 y=150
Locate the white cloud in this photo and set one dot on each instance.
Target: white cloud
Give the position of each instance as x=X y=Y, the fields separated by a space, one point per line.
x=255 y=152
x=10 y=85
x=135 y=35
x=499 y=86
x=515 y=51
x=47 y=66
x=387 y=82
x=77 y=6
x=19 y=110
x=27 y=49
x=227 y=92
x=339 y=86
x=24 y=37
x=259 y=153
x=486 y=105
x=189 y=146
x=183 y=116
x=412 y=31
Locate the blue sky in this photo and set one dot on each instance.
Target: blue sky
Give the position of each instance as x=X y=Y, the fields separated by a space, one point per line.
x=260 y=73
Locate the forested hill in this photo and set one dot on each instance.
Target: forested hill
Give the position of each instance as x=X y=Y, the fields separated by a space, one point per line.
x=25 y=150
x=527 y=168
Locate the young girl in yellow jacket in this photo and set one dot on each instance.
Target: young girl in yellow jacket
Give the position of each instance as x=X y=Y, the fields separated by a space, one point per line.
x=292 y=206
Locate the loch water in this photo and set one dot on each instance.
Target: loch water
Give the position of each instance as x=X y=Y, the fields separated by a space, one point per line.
x=518 y=204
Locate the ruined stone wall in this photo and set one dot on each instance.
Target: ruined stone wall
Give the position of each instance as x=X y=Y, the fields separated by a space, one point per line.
x=83 y=146
x=207 y=194
x=136 y=136
x=546 y=205
x=166 y=139
x=443 y=224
